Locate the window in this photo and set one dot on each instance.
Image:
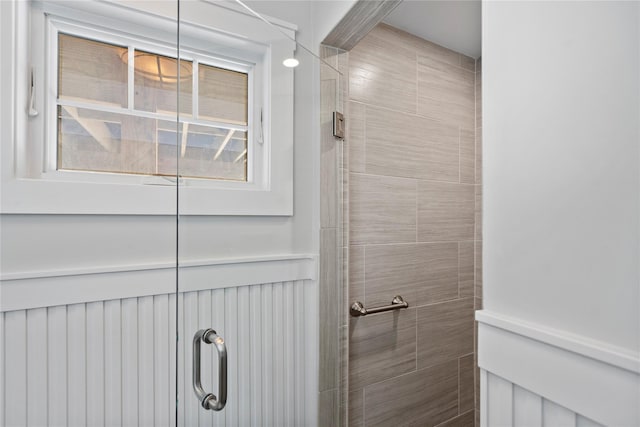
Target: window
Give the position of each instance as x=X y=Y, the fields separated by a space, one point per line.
x=111 y=120
x=104 y=136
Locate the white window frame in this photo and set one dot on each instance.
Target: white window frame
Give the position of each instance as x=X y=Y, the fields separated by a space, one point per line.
x=33 y=185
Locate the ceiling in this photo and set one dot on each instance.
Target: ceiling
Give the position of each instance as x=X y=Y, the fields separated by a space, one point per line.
x=454 y=23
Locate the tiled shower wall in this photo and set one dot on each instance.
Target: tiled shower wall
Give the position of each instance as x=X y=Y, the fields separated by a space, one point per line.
x=333 y=238
x=413 y=229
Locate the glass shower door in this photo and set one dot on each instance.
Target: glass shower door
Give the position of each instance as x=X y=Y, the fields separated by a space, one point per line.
x=88 y=290
x=247 y=285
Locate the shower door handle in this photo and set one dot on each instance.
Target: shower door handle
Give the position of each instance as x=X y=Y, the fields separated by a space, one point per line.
x=209 y=400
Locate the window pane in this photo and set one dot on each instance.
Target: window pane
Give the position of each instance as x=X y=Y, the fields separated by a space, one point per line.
x=222 y=94
x=156 y=83
x=93 y=140
x=210 y=152
x=91 y=70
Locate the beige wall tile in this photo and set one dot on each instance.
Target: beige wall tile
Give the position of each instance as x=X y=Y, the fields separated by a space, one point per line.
x=382 y=346
x=355 y=139
x=420 y=46
x=329 y=188
x=343 y=204
x=437 y=77
x=478 y=264
x=466 y=270
x=344 y=370
x=445 y=211
x=446 y=111
x=445 y=331
x=478 y=212
x=328 y=408
x=446 y=93
x=330 y=311
x=401 y=144
x=464 y=420
x=479 y=156
x=467 y=156
x=356 y=274
x=329 y=54
x=382 y=71
x=467 y=62
x=478 y=86
x=466 y=383
x=382 y=209
x=356 y=408
x=423 y=398
x=422 y=273
x=343 y=68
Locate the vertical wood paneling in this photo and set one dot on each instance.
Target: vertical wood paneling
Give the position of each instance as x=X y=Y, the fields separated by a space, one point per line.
x=77 y=364
x=289 y=356
x=278 y=359
x=146 y=379
x=298 y=308
x=500 y=410
x=57 y=358
x=244 y=357
x=554 y=415
x=37 y=366
x=311 y=352
x=16 y=373
x=190 y=327
x=231 y=325
x=506 y=404
x=95 y=363
x=130 y=362
x=255 y=364
x=267 y=356
x=205 y=418
x=161 y=371
x=527 y=408
x=181 y=366
x=113 y=362
x=173 y=349
x=218 y=324
x=2 y=370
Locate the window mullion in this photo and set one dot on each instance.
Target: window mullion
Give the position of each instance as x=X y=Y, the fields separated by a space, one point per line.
x=194 y=96
x=130 y=79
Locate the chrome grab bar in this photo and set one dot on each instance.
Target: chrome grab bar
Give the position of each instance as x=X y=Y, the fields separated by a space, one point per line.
x=357 y=308
x=209 y=400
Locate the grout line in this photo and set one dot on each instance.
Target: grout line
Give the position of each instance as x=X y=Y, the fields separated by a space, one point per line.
x=458 y=385
x=459 y=293
x=444 y=423
x=422 y=116
x=417 y=82
x=363 y=402
x=411 y=178
x=460 y=155
x=416 y=339
x=417 y=212
x=364 y=275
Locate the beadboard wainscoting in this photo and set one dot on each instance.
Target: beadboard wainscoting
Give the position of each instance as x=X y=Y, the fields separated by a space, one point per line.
x=538 y=377
x=112 y=361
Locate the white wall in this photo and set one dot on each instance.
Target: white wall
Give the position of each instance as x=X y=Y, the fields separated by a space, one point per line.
x=62 y=242
x=561 y=212
x=561 y=162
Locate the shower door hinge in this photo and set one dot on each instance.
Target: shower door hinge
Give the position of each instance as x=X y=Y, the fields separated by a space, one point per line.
x=338 y=125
